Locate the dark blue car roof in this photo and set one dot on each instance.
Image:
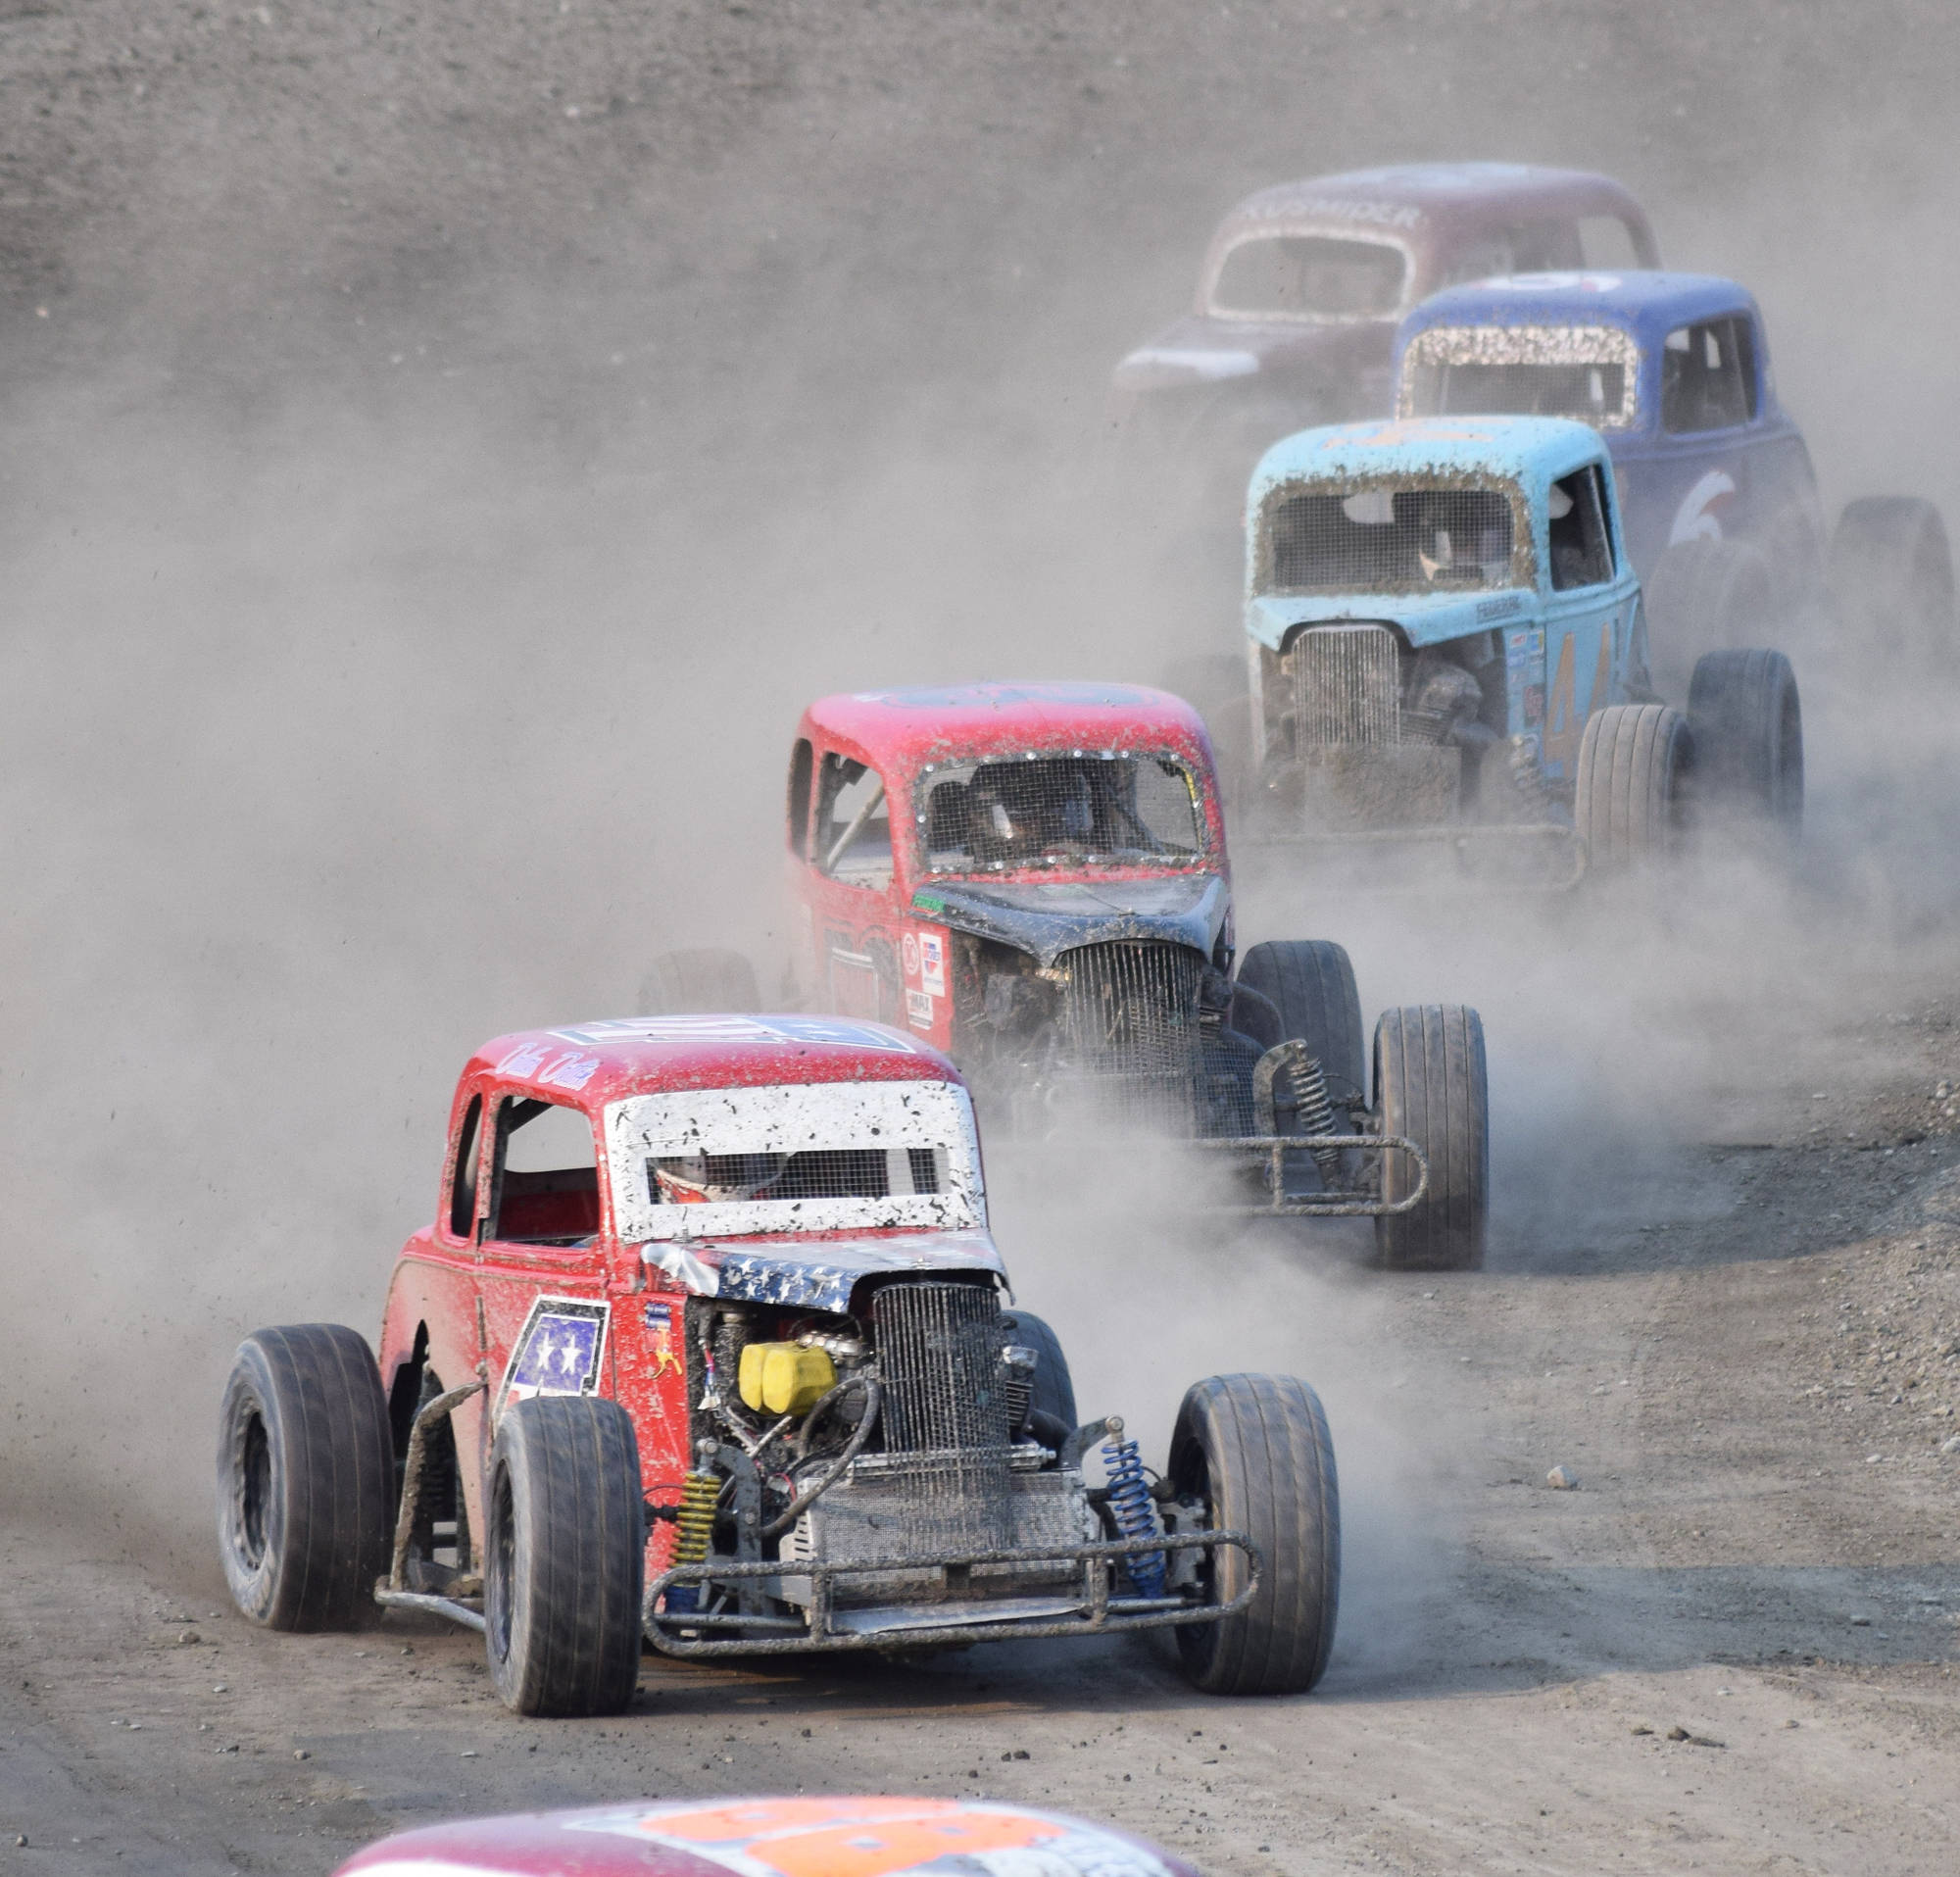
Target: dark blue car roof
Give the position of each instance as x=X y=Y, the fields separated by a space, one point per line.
x=1649 y=304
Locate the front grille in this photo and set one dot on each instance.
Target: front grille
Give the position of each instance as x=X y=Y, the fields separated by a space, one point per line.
x=945 y=1411
x=1346 y=687
x=1130 y=1020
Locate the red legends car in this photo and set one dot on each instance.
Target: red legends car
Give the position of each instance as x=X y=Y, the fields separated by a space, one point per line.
x=1034 y=879
x=705 y=1349
x=770 y=1837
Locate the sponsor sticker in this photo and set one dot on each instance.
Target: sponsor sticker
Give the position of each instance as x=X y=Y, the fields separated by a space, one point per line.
x=910 y=948
x=932 y=962
x=918 y=1007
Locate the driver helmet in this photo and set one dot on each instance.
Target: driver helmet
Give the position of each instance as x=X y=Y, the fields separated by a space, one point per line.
x=716 y=1179
x=1018 y=808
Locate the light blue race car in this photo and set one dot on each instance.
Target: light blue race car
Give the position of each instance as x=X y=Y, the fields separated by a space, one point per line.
x=1449 y=660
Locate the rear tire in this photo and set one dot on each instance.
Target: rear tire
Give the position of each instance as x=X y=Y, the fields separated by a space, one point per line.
x=1631 y=791
x=306 y=1478
x=1256 y=1450
x=1891 y=574
x=708 y=979
x=1054 y=1387
x=1705 y=595
x=563 y=1556
x=1748 y=725
x=1432 y=1087
x=1310 y=982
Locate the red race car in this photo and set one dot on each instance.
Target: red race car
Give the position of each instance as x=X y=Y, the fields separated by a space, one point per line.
x=704 y=1348
x=826 y=1837
x=1032 y=878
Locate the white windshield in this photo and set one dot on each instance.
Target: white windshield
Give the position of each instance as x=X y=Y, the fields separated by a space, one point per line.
x=823 y=1157
x=1587 y=373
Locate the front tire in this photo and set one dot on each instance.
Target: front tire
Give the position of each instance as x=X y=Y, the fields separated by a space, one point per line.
x=306 y=1478
x=1630 y=795
x=1310 y=982
x=1257 y=1450
x=564 y=1557
x=1891 y=576
x=1748 y=724
x=1432 y=1087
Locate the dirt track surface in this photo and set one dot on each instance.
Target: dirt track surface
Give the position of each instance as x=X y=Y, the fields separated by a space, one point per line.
x=448 y=445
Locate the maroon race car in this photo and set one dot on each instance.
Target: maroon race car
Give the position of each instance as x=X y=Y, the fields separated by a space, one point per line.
x=1304 y=284
x=826 y=1837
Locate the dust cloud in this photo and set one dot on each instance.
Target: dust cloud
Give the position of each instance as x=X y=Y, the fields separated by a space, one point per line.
x=455 y=447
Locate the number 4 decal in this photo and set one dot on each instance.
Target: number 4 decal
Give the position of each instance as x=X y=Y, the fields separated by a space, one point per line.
x=1564 y=720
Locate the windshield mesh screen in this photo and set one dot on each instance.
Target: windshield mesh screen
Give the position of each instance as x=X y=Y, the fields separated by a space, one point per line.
x=1389 y=540
x=1584 y=372
x=1059 y=811
x=1309 y=276
x=839 y=1173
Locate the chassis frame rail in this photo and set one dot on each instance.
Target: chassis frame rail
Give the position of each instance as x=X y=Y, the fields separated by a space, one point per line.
x=1098 y=1613
x=1334 y=1205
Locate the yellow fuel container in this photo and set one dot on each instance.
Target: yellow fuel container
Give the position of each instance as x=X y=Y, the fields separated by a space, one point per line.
x=784 y=1378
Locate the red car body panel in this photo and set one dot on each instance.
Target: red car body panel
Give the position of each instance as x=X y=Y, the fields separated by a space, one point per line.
x=875 y=951
x=465 y=1303
x=803 y=1837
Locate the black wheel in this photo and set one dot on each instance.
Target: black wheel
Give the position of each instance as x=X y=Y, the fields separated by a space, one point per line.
x=1891 y=574
x=563 y=1556
x=1702 y=595
x=1257 y=1450
x=306 y=1478
x=1748 y=726
x=708 y=980
x=1054 y=1387
x=1310 y=982
x=1630 y=796
x=1431 y=1087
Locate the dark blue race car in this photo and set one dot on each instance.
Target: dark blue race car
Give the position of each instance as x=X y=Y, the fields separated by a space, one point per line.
x=1720 y=509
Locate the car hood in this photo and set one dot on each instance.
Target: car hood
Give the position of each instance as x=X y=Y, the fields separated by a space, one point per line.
x=1198 y=349
x=1049 y=917
x=1428 y=618
x=815 y=1274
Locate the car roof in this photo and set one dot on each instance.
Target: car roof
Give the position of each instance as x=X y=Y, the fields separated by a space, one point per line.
x=1649 y=303
x=589 y=1064
x=1408 y=198
x=1534 y=451
x=944 y=722
x=802 y=1837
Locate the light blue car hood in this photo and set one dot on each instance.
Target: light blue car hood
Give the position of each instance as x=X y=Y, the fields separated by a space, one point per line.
x=1428 y=618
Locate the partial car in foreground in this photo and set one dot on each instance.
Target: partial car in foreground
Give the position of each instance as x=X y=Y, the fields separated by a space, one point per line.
x=799 y=1837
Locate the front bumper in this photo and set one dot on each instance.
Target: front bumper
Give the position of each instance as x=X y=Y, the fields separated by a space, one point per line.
x=1091 y=1609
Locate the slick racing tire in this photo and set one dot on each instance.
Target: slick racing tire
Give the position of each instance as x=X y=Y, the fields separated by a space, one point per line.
x=306 y=1478
x=1630 y=797
x=1748 y=726
x=1053 y=1390
x=1704 y=595
x=1431 y=1087
x=1310 y=982
x=704 y=980
x=1891 y=576
x=563 y=1556
x=1255 y=1449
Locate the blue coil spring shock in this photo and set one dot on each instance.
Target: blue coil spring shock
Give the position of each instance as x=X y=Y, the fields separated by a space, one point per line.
x=1135 y=1510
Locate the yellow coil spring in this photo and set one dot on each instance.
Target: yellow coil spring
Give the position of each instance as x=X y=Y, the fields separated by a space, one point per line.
x=698 y=1492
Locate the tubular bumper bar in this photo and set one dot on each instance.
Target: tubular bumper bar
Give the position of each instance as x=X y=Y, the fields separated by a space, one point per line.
x=1095 y=1612
x=1334 y=1205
